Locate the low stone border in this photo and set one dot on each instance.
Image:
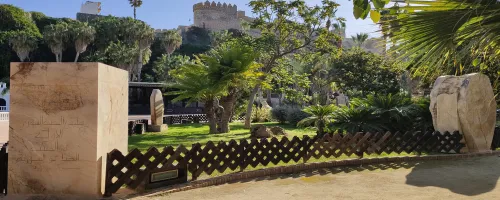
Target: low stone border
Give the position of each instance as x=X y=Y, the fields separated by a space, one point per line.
x=238 y=176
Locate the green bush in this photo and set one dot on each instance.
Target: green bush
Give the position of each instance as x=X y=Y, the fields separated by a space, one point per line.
x=279 y=113
x=295 y=115
x=379 y=113
x=261 y=114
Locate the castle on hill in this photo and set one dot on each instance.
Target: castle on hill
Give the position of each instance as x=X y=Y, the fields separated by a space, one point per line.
x=218 y=16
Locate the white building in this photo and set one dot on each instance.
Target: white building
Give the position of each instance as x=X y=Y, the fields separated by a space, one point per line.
x=4 y=98
x=90 y=7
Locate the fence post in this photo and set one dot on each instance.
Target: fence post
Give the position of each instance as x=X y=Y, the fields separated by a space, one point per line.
x=109 y=178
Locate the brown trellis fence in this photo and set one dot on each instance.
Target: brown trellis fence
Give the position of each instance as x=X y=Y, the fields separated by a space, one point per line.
x=495 y=144
x=133 y=168
x=3 y=168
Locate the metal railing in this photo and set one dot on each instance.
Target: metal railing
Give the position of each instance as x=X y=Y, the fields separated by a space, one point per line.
x=4 y=116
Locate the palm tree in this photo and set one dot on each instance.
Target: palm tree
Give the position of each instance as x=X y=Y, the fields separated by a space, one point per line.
x=360 y=38
x=56 y=37
x=23 y=43
x=83 y=35
x=232 y=66
x=170 y=40
x=192 y=82
x=135 y=4
x=445 y=33
x=320 y=116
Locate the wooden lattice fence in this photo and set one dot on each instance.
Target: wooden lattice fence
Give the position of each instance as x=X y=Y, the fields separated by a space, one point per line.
x=132 y=169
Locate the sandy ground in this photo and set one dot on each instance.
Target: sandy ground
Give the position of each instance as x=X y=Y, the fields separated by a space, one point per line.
x=475 y=178
x=4 y=131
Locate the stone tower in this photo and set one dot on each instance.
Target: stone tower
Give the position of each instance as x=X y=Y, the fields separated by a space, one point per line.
x=217 y=16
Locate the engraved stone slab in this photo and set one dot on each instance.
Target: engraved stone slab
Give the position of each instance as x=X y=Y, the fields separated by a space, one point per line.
x=466 y=104
x=157 y=110
x=157 y=107
x=64 y=119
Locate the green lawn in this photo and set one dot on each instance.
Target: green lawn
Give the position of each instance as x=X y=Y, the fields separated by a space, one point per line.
x=187 y=134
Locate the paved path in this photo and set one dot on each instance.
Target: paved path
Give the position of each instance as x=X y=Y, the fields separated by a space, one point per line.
x=476 y=178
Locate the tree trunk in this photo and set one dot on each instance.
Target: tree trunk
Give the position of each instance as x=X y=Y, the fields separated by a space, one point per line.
x=57 y=57
x=228 y=103
x=248 y=115
x=212 y=120
x=135 y=17
x=269 y=99
x=77 y=55
x=139 y=70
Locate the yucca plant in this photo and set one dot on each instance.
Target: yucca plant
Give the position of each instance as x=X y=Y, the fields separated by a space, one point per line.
x=320 y=117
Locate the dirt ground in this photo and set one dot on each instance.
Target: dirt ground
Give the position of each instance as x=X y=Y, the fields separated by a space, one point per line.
x=475 y=178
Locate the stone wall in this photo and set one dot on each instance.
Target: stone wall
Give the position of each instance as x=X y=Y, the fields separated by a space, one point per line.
x=218 y=16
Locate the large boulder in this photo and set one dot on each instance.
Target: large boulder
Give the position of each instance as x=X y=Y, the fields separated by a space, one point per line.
x=466 y=104
x=260 y=131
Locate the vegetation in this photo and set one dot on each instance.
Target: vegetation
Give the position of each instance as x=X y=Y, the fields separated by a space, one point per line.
x=359 y=39
x=288 y=28
x=135 y=4
x=359 y=71
x=320 y=117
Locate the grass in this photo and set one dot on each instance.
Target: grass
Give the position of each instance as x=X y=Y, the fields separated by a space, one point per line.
x=187 y=134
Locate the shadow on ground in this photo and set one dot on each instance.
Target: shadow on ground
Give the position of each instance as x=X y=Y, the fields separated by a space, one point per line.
x=467 y=177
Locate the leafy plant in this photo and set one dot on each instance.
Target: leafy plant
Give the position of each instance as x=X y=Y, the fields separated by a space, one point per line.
x=295 y=115
x=261 y=114
x=320 y=116
x=279 y=113
x=355 y=119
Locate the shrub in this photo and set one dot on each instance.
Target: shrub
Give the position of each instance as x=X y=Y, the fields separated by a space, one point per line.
x=261 y=114
x=279 y=113
x=295 y=115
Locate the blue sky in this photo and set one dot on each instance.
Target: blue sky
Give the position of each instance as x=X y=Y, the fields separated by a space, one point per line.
x=166 y=14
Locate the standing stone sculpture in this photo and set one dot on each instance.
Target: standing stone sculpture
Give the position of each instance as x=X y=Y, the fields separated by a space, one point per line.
x=465 y=104
x=157 y=110
x=64 y=120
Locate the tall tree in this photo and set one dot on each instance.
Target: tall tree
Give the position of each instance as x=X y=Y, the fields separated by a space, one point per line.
x=23 y=43
x=56 y=37
x=143 y=35
x=170 y=40
x=288 y=27
x=83 y=35
x=359 y=39
x=233 y=67
x=192 y=82
x=135 y=4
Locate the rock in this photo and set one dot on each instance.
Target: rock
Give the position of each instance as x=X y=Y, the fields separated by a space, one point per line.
x=465 y=104
x=260 y=131
x=157 y=110
x=276 y=130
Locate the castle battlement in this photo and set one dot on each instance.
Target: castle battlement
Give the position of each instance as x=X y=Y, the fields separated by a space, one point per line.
x=227 y=8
